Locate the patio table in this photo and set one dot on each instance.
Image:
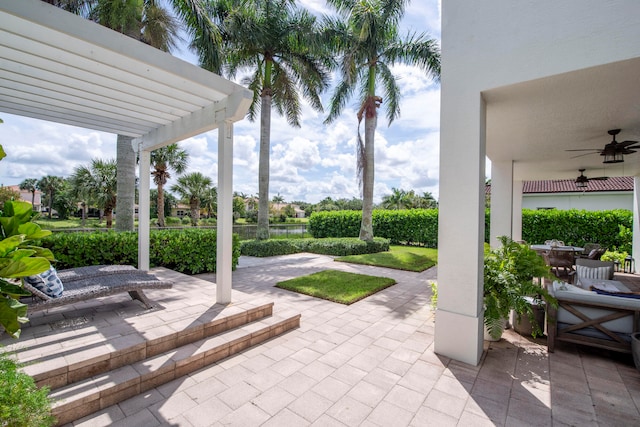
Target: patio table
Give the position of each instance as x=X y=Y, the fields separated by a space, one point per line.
x=539 y=248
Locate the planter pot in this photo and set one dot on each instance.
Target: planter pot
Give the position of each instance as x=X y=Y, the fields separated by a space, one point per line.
x=524 y=326
x=635 y=349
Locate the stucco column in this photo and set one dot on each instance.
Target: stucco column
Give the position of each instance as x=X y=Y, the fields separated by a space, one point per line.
x=459 y=317
x=144 y=208
x=501 y=200
x=635 y=250
x=224 y=258
x=516 y=216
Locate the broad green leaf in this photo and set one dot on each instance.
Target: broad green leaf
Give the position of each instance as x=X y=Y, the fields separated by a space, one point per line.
x=2 y=153
x=33 y=231
x=12 y=314
x=9 y=244
x=13 y=290
x=41 y=252
x=21 y=253
x=25 y=267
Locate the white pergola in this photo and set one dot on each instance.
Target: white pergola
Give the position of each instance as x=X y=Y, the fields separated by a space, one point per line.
x=59 y=67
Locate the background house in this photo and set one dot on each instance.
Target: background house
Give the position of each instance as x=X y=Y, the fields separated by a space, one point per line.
x=613 y=193
x=26 y=196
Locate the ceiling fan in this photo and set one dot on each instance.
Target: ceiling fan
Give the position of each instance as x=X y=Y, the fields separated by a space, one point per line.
x=582 y=181
x=614 y=151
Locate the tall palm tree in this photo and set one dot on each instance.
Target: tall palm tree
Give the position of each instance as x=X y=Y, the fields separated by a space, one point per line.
x=193 y=187
x=49 y=185
x=163 y=160
x=99 y=183
x=365 y=35
x=210 y=202
x=30 y=185
x=277 y=43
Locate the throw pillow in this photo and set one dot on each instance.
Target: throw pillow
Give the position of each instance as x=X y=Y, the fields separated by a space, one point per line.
x=598 y=273
x=47 y=282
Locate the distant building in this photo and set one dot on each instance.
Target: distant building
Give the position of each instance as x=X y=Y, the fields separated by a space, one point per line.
x=26 y=196
x=563 y=194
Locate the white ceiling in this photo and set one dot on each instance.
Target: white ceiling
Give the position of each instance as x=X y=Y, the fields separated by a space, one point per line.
x=59 y=67
x=534 y=122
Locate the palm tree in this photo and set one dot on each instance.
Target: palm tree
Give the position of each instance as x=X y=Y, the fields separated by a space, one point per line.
x=365 y=35
x=278 y=199
x=398 y=199
x=277 y=42
x=427 y=201
x=193 y=188
x=30 y=185
x=210 y=202
x=99 y=183
x=49 y=185
x=162 y=161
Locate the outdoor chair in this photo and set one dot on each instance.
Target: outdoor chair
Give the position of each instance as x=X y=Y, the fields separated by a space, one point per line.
x=561 y=262
x=88 y=283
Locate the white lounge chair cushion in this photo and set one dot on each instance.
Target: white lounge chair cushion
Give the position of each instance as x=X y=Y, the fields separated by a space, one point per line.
x=598 y=273
x=47 y=282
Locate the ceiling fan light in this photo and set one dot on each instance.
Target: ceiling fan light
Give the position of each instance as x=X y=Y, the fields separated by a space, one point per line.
x=581 y=184
x=613 y=157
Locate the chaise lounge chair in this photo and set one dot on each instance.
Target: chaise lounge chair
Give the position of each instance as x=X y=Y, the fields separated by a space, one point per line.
x=87 y=283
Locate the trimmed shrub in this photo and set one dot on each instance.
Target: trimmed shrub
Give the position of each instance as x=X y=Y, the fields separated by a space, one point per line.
x=329 y=246
x=411 y=227
x=22 y=403
x=190 y=251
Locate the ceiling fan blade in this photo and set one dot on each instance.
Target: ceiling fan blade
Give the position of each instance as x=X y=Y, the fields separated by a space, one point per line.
x=582 y=155
x=599 y=178
x=586 y=149
x=627 y=151
x=626 y=143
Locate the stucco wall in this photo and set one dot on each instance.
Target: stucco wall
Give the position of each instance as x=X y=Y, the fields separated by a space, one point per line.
x=587 y=201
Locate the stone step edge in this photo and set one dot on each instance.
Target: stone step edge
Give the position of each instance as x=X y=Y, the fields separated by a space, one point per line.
x=70 y=373
x=91 y=395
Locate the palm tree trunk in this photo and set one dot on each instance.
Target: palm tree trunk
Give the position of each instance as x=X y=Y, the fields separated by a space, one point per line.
x=366 y=227
x=195 y=213
x=160 y=205
x=33 y=200
x=50 y=203
x=262 y=232
x=126 y=182
x=108 y=214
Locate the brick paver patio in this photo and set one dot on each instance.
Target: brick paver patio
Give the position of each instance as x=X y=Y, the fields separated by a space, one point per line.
x=372 y=364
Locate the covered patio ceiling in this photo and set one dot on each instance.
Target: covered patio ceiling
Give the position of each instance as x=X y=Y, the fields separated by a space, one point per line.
x=534 y=122
x=58 y=67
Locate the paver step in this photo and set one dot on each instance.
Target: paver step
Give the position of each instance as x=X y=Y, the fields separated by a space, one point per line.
x=77 y=364
x=92 y=394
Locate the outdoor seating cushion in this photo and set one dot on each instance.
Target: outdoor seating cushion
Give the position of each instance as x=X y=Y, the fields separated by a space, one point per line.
x=585 y=272
x=47 y=282
x=565 y=291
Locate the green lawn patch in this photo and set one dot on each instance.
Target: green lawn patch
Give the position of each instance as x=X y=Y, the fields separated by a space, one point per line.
x=337 y=286
x=410 y=258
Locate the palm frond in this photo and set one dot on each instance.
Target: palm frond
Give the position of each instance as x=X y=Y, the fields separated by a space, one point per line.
x=341 y=95
x=391 y=92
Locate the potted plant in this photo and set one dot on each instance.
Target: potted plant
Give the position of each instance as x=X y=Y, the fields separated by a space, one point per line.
x=510 y=283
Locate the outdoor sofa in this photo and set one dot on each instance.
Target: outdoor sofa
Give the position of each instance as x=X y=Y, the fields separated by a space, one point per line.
x=88 y=283
x=604 y=318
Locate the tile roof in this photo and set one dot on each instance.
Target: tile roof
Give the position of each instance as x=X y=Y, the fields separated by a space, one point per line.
x=624 y=183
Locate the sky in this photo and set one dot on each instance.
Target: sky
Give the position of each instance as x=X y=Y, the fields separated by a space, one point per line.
x=307 y=164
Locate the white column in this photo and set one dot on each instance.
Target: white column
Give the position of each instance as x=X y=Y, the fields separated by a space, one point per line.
x=501 y=200
x=225 y=213
x=516 y=218
x=144 y=210
x=635 y=250
x=459 y=318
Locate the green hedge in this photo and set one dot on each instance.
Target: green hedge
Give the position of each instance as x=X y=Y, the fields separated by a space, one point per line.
x=328 y=246
x=612 y=229
x=414 y=226
x=190 y=251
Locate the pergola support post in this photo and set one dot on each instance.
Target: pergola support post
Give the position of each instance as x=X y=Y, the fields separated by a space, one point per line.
x=144 y=208
x=224 y=257
x=635 y=249
x=501 y=201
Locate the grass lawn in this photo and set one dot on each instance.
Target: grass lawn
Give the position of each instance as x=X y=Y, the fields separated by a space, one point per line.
x=337 y=286
x=410 y=258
